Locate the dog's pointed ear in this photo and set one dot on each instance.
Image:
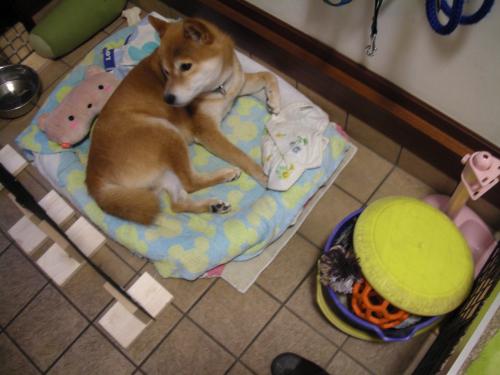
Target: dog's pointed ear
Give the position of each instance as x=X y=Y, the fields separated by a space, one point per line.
x=159 y=25
x=197 y=31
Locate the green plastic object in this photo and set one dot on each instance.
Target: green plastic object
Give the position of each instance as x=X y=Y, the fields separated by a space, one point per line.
x=71 y=23
x=413 y=255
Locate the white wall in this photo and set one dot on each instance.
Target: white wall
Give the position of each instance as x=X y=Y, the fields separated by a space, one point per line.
x=458 y=74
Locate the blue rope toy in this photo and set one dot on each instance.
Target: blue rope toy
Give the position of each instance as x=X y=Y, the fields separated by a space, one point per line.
x=454 y=13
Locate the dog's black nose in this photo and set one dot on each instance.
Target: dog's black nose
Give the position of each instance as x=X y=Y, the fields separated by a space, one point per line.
x=170 y=99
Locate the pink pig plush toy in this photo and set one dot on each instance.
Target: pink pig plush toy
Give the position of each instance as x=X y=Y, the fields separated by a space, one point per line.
x=70 y=122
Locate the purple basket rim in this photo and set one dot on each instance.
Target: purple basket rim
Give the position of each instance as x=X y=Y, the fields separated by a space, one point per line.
x=351 y=316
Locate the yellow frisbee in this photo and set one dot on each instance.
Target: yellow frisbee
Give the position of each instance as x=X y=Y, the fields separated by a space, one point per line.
x=413 y=255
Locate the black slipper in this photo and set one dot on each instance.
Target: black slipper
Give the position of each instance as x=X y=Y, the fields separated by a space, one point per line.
x=293 y=364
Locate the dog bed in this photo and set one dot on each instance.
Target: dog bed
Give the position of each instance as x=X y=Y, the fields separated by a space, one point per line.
x=188 y=245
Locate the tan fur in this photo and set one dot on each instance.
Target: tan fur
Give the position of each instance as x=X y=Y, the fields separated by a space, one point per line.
x=140 y=144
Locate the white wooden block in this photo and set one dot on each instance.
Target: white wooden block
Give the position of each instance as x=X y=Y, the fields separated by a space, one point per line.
x=122 y=325
x=152 y=296
x=27 y=235
x=57 y=264
x=86 y=236
x=11 y=160
x=56 y=207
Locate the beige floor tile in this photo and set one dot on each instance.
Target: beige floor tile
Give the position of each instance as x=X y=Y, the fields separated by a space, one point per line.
x=144 y=344
x=343 y=364
x=4 y=242
x=127 y=255
x=51 y=72
x=116 y=268
x=9 y=213
x=287 y=333
x=9 y=132
x=364 y=173
x=401 y=183
x=231 y=317
x=85 y=290
x=373 y=139
x=46 y=327
x=75 y=56
x=153 y=334
x=239 y=369
x=337 y=114
x=303 y=303
x=384 y=358
x=425 y=172
x=298 y=255
x=185 y=292
x=331 y=209
x=12 y=361
x=188 y=350
x=19 y=282
x=92 y=354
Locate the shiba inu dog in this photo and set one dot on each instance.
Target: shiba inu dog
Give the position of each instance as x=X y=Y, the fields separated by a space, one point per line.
x=177 y=95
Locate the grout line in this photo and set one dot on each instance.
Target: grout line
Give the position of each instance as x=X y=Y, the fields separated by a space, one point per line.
x=303 y=236
x=349 y=193
x=380 y=184
x=184 y=314
x=347 y=121
x=275 y=314
x=331 y=358
x=61 y=292
x=398 y=158
x=22 y=351
x=67 y=348
x=355 y=360
x=211 y=336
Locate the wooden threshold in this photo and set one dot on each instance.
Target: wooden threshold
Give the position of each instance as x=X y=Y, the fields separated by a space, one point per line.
x=407 y=120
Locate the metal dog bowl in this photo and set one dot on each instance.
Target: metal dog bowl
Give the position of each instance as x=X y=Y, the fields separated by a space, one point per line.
x=19 y=90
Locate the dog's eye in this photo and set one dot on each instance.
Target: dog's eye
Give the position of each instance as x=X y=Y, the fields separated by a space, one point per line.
x=185 y=67
x=71 y=118
x=100 y=87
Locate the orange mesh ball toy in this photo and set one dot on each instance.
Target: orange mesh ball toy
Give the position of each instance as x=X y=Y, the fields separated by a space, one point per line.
x=370 y=306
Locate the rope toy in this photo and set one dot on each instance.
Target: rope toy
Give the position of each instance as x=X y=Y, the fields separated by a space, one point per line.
x=454 y=13
x=369 y=305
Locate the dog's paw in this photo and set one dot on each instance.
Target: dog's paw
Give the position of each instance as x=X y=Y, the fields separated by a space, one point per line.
x=232 y=174
x=220 y=207
x=273 y=106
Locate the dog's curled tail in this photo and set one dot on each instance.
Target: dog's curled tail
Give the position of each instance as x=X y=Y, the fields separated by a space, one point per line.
x=135 y=204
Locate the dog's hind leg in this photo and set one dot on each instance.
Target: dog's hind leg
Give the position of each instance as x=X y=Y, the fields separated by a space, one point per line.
x=180 y=200
x=214 y=141
x=193 y=181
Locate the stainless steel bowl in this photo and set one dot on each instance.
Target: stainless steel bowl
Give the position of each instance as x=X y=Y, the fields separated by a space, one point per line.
x=19 y=90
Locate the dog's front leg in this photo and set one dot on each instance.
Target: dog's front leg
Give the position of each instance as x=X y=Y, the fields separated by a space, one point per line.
x=210 y=137
x=254 y=82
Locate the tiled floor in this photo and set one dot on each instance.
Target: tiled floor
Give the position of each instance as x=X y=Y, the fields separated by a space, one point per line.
x=209 y=328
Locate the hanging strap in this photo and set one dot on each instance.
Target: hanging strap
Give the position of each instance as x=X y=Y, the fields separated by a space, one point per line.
x=371 y=48
x=25 y=199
